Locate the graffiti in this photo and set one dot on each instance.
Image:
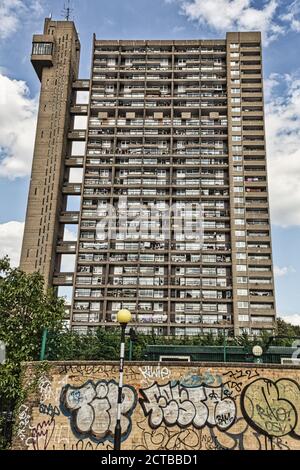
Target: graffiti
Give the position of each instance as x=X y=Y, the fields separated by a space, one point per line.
x=81 y=445
x=151 y=373
x=180 y=407
x=47 y=393
x=271 y=407
x=62 y=435
x=239 y=373
x=42 y=434
x=176 y=404
x=45 y=389
x=24 y=420
x=169 y=439
x=237 y=378
x=49 y=410
x=93 y=409
x=193 y=378
x=87 y=370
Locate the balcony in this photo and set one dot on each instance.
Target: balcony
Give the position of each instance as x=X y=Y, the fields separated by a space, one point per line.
x=42 y=53
x=63 y=279
x=72 y=189
x=81 y=85
x=66 y=248
x=79 y=109
x=74 y=162
x=77 y=135
x=69 y=217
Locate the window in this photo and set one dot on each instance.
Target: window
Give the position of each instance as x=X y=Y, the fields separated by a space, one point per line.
x=242 y=292
x=241 y=268
x=42 y=48
x=263 y=319
x=242 y=304
x=243 y=317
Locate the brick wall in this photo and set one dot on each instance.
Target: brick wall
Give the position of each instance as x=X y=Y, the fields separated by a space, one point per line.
x=72 y=406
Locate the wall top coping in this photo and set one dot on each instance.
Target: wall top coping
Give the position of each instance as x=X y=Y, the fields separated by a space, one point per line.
x=188 y=365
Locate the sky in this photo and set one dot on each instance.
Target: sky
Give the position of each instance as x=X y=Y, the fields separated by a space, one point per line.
x=279 y=21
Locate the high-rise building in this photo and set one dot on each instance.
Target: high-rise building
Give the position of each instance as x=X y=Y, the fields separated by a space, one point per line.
x=161 y=129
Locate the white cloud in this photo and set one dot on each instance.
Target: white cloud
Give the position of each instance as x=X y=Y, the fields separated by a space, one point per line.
x=293 y=16
x=283 y=146
x=14 y=12
x=18 y=113
x=294 y=318
x=11 y=235
x=234 y=15
x=281 y=272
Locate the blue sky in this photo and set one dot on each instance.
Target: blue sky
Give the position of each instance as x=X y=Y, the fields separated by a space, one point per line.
x=279 y=20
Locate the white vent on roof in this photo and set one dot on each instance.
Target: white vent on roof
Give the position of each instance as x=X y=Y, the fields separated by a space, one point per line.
x=290 y=360
x=174 y=359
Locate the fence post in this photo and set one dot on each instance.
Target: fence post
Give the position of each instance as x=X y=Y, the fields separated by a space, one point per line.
x=224 y=348
x=44 y=342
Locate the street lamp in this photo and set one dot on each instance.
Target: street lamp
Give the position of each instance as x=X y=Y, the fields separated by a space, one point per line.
x=123 y=317
x=257 y=352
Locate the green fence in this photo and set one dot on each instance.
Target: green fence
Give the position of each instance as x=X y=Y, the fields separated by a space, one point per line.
x=272 y=355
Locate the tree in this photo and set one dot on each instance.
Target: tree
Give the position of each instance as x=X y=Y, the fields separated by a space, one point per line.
x=287 y=329
x=26 y=309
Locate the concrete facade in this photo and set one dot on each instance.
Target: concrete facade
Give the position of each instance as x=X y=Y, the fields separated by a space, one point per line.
x=72 y=406
x=57 y=70
x=168 y=126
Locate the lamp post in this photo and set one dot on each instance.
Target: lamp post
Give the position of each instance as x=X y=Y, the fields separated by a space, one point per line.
x=123 y=317
x=257 y=352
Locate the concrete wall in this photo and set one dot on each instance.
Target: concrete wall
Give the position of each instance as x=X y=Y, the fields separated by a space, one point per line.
x=72 y=406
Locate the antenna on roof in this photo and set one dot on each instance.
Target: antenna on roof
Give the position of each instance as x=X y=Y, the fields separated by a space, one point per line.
x=67 y=10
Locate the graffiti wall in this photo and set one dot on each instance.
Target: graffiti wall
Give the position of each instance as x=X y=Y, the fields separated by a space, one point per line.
x=72 y=406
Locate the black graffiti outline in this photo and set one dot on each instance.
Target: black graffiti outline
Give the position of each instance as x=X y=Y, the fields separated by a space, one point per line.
x=249 y=420
x=240 y=373
x=80 y=435
x=144 y=399
x=49 y=410
x=41 y=430
x=237 y=438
